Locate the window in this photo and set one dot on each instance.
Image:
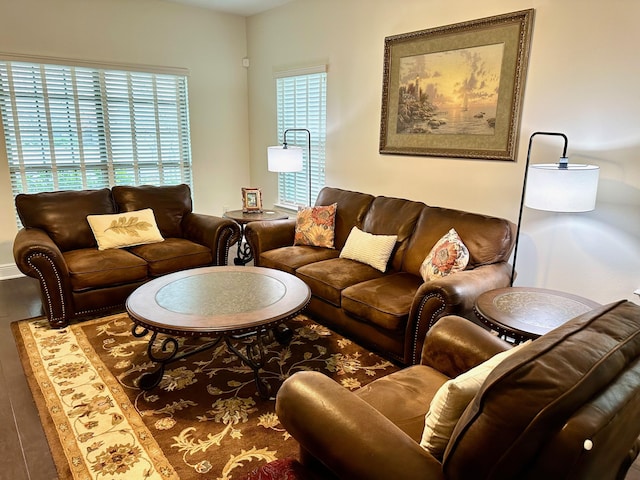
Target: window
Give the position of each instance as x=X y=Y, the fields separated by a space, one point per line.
x=301 y=103
x=77 y=127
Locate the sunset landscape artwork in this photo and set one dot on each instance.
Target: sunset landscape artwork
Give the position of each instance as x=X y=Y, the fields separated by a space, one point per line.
x=450 y=92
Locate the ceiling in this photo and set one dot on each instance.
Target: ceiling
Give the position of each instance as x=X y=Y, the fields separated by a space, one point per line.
x=239 y=7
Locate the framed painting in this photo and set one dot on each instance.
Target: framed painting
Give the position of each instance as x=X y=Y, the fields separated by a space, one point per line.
x=251 y=200
x=456 y=91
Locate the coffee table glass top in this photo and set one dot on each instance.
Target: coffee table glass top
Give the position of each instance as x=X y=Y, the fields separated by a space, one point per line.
x=221 y=293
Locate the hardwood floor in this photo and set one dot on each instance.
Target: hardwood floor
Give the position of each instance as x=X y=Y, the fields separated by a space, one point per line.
x=25 y=452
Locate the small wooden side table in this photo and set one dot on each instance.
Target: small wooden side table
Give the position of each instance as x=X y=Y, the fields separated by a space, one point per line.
x=522 y=313
x=244 y=254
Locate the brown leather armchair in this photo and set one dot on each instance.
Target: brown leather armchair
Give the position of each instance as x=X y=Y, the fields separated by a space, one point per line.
x=57 y=246
x=565 y=406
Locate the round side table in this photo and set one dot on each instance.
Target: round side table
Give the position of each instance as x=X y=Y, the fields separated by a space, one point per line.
x=519 y=314
x=244 y=254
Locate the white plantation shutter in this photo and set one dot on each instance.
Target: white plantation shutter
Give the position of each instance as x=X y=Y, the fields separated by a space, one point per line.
x=301 y=103
x=80 y=127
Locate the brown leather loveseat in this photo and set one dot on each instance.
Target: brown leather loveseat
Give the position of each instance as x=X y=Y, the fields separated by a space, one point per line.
x=58 y=247
x=388 y=312
x=566 y=406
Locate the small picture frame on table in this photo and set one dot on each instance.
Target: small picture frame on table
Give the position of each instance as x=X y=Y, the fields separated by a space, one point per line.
x=251 y=200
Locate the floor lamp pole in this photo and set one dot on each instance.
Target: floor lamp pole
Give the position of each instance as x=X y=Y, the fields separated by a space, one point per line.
x=308 y=156
x=524 y=189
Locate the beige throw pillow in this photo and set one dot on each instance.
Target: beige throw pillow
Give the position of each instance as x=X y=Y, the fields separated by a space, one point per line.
x=373 y=250
x=125 y=229
x=451 y=400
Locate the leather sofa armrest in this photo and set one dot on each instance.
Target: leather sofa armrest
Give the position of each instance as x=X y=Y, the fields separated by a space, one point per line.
x=451 y=295
x=32 y=242
x=37 y=256
x=347 y=435
x=265 y=236
x=454 y=345
x=217 y=233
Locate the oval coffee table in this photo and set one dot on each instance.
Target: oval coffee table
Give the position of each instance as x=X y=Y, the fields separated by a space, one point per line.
x=224 y=303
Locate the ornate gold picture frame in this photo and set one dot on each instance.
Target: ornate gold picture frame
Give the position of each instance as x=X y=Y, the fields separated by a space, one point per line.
x=456 y=90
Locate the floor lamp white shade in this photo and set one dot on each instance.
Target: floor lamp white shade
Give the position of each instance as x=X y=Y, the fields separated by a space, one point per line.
x=284 y=159
x=570 y=189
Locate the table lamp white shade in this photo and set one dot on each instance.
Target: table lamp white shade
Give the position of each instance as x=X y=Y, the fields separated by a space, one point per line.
x=554 y=189
x=284 y=159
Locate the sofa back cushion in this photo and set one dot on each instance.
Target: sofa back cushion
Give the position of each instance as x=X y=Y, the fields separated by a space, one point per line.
x=393 y=216
x=170 y=203
x=488 y=239
x=572 y=397
x=63 y=214
x=352 y=207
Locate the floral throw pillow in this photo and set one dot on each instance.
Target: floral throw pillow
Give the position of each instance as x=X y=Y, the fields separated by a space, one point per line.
x=448 y=255
x=315 y=226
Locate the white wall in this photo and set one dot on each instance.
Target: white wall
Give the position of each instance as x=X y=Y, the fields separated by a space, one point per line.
x=583 y=81
x=151 y=32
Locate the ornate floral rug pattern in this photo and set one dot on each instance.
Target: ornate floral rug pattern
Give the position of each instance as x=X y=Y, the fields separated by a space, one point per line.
x=204 y=420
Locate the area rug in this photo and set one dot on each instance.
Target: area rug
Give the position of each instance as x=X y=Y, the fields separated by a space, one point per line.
x=204 y=420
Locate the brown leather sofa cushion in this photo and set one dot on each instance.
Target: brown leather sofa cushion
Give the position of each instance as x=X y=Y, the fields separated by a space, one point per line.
x=384 y=301
x=489 y=239
x=169 y=204
x=352 y=207
x=404 y=396
x=92 y=268
x=393 y=216
x=327 y=279
x=63 y=214
x=172 y=255
x=528 y=399
x=289 y=259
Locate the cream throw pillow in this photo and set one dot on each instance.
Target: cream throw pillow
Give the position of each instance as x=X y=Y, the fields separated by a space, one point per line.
x=373 y=250
x=125 y=229
x=451 y=400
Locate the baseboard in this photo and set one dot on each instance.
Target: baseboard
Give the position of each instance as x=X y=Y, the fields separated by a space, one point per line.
x=9 y=270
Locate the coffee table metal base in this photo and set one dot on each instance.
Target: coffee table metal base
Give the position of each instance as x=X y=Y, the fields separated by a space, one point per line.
x=169 y=347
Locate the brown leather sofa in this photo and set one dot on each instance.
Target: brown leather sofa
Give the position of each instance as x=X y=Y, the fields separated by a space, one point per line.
x=388 y=312
x=57 y=245
x=565 y=406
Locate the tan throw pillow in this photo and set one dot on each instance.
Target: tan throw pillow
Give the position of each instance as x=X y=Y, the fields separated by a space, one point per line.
x=373 y=250
x=451 y=400
x=125 y=229
x=448 y=255
x=315 y=226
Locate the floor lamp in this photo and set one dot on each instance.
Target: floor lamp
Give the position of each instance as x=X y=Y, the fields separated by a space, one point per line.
x=289 y=159
x=556 y=187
